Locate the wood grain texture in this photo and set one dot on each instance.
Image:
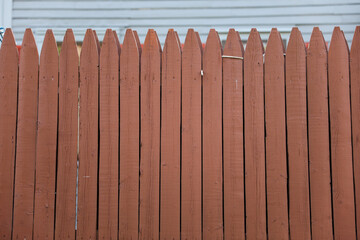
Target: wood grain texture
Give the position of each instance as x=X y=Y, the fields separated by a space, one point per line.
x=319 y=145
x=26 y=139
x=150 y=138
x=212 y=139
x=275 y=125
x=170 y=138
x=254 y=138
x=299 y=206
x=88 y=139
x=46 y=142
x=109 y=138
x=117 y=42
x=137 y=41
x=340 y=133
x=191 y=138
x=233 y=138
x=9 y=59
x=129 y=138
x=355 y=113
x=67 y=139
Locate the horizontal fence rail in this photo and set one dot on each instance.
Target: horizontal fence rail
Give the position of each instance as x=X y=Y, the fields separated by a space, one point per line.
x=184 y=141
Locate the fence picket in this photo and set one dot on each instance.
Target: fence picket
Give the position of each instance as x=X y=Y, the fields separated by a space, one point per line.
x=233 y=138
x=275 y=124
x=318 y=130
x=26 y=139
x=355 y=112
x=109 y=138
x=150 y=137
x=299 y=206
x=117 y=42
x=137 y=41
x=170 y=138
x=67 y=139
x=340 y=133
x=46 y=143
x=212 y=138
x=191 y=138
x=88 y=139
x=9 y=60
x=129 y=138
x=254 y=138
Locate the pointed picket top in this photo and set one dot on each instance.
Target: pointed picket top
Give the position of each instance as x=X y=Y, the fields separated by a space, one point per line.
x=254 y=43
x=117 y=42
x=97 y=41
x=338 y=44
x=49 y=47
x=68 y=47
x=172 y=43
x=355 y=46
x=213 y=43
x=296 y=41
x=137 y=41
x=28 y=47
x=317 y=42
x=130 y=45
x=191 y=42
x=233 y=45
x=275 y=44
x=178 y=40
x=8 y=45
x=89 y=47
x=109 y=44
x=151 y=44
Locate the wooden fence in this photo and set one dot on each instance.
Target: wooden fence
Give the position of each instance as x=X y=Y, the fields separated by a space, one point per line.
x=186 y=143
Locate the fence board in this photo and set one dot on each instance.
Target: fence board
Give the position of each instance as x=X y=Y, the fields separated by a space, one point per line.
x=117 y=42
x=150 y=137
x=129 y=138
x=212 y=139
x=67 y=139
x=26 y=139
x=9 y=60
x=137 y=41
x=109 y=138
x=340 y=133
x=233 y=138
x=170 y=138
x=97 y=42
x=355 y=113
x=88 y=139
x=299 y=207
x=44 y=208
x=275 y=120
x=191 y=138
x=318 y=130
x=254 y=138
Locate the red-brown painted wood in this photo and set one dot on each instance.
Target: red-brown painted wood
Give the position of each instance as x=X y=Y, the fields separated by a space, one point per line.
x=88 y=139
x=150 y=138
x=67 y=139
x=275 y=124
x=191 y=138
x=97 y=42
x=137 y=41
x=170 y=138
x=234 y=215
x=318 y=130
x=355 y=113
x=212 y=139
x=299 y=206
x=254 y=138
x=340 y=133
x=9 y=59
x=46 y=141
x=117 y=42
x=109 y=138
x=26 y=139
x=129 y=138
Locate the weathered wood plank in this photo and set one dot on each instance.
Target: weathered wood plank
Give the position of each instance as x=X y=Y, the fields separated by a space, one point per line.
x=129 y=138
x=319 y=145
x=170 y=138
x=254 y=138
x=233 y=142
x=150 y=138
x=275 y=125
x=340 y=134
x=109 y=139
x=9 y=59
x=191 y=138
x=46 y=142
x=26 y=139
x=88 y=139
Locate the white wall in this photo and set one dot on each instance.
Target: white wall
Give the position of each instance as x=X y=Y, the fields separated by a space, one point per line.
x=5 y=13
